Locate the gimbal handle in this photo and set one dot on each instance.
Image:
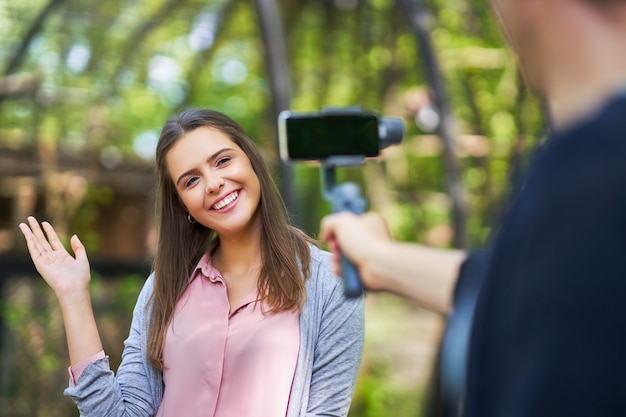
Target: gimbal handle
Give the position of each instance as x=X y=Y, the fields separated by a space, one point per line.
x=344 y=197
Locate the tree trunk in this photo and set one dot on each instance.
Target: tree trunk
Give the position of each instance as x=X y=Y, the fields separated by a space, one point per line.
x=418 y=20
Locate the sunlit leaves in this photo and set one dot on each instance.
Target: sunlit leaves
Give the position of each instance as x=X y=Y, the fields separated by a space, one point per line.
x=112 y=72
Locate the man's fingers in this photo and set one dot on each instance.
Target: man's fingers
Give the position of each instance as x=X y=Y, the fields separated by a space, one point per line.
x=326 y=229
x=376 y=222
x=334 y=247
x=336 y=257
x=329 y=224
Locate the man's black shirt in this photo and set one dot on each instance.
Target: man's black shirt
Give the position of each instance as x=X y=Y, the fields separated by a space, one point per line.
x=549 y=331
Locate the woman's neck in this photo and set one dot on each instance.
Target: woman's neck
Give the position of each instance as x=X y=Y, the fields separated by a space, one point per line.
x=240 y=254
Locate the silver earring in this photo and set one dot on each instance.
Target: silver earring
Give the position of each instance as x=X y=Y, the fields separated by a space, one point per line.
x=190 y=219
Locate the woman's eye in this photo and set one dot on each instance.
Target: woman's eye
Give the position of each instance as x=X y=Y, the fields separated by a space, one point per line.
x=223 y=160
x=191 y=181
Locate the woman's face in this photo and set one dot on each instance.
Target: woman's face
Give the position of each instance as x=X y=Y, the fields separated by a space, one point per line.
x=215 y=181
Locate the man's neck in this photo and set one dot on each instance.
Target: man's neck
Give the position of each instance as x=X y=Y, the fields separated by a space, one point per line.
x=582 y=102
x=580 y=87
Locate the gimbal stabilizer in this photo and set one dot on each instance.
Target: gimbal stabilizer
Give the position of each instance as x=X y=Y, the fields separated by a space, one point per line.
x=338 y=137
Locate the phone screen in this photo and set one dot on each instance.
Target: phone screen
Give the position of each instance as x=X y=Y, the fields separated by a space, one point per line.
x=318 y=136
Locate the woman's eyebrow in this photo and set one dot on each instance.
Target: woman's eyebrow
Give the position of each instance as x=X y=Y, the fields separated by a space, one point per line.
x=209 y=160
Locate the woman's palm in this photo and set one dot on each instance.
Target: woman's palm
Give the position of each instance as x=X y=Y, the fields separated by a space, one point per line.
x=64 y=273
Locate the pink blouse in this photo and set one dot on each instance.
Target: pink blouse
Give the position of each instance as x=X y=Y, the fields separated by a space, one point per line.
x=227 y=365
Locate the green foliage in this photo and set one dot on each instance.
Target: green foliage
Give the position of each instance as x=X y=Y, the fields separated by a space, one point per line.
x=86 y=215
x=33 y=354
x=376 y=397
x=98 y=79
x=127 y=292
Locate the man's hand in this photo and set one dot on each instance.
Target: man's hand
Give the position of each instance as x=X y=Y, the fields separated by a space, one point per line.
x=357 y=237
x=426 y=275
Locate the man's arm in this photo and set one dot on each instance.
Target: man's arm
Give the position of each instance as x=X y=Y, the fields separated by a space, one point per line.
x=426 y=275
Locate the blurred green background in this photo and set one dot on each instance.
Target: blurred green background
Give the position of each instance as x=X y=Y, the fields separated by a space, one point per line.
x=85 y=87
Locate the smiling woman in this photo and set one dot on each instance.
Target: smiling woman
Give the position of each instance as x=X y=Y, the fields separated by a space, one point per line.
x=239 y=300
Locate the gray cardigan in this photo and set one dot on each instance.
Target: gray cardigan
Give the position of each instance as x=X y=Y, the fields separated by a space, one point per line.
x=331 y=347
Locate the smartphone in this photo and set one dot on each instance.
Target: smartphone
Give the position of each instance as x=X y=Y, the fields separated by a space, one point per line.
x=321 y=135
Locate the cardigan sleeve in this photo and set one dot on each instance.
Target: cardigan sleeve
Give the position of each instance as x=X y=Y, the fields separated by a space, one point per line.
x=338 y=348
x=98 y=392
x=76 y=371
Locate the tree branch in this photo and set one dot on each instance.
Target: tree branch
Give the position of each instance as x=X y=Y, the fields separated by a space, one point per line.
x=35 y=27
x=277 y=64
x=418 y=20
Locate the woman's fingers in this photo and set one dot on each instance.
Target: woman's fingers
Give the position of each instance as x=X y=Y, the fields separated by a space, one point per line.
x=31 y=242
x=39 y=235
x=45 y=245
x=78 y=248
x=66 y=275
x=49 y=244
x=36 y=247
x=55 y=243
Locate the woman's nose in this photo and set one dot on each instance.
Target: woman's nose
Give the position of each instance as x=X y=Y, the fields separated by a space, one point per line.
x=214 y=184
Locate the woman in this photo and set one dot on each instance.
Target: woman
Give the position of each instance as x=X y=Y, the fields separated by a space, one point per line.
x=241 y=316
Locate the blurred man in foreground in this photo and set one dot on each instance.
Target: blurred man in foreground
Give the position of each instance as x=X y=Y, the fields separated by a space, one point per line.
x=549 y=330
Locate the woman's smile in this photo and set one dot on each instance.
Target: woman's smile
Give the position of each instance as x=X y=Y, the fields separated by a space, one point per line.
x=227 y=202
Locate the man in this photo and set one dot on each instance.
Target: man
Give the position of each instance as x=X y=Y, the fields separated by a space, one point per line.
x=549 y=330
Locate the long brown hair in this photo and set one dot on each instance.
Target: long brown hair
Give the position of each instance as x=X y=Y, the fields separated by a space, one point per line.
x=181 y=244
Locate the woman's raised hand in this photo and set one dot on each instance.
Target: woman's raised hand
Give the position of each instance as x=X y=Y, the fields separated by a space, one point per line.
x=68 y=276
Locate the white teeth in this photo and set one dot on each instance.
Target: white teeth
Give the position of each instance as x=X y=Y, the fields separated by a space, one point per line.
x=226 y=201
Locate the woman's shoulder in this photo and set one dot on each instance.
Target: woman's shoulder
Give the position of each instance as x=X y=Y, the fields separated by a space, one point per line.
x=325 y=289
x=320 y=260
x=319 y=255
x=145 y=295
x=148 y=285
x=320 y=267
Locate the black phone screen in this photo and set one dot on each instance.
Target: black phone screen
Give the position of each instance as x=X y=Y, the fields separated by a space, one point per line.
x=319 y=136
